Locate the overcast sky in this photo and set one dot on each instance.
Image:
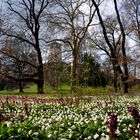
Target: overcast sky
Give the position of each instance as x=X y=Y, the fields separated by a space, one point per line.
x=3 y=5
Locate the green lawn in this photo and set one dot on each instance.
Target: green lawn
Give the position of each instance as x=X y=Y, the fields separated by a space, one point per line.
x=64 y=91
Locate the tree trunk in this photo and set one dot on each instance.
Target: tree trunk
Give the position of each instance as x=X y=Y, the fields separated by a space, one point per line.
x=126 y=87
x=74 y=78
x=125 y=84
x=20 y=87
x=40 y=81
x=40 y=86
x=125 y=65
x=124 y=79
x=124 y=75
x=115 y=80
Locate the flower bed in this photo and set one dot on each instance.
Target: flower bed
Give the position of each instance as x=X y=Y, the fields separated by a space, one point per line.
x=23 y=117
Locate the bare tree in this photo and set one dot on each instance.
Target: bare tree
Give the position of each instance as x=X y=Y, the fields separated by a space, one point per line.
x=73 y=23
x=133 y=12
x=18 y=61
x=114 y=38
x=112 y=46
x=30 y=14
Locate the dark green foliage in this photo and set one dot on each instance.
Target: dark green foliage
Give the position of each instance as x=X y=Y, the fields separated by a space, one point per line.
x=2 y=85
x=91 y=73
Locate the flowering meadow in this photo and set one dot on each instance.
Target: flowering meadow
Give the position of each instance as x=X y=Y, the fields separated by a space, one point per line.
x=85 y=118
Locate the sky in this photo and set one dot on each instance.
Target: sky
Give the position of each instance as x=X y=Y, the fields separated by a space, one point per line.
x=3 y=7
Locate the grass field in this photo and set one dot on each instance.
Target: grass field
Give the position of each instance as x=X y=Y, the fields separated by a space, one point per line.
x=64 y=91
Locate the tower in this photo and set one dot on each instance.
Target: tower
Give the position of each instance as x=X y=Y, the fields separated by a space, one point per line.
x=54 y=64
x=55 y=53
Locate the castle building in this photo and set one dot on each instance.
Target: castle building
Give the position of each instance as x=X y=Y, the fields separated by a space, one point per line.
x=55 y=52
x=52 y=72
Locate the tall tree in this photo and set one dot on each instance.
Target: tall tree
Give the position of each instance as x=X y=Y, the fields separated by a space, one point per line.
x=30 y=15
x=73 y=23
x=18 y=62
x=112 y=46
x=114 y=37
x=91 y=73
x=132 y=8
x=132 y=13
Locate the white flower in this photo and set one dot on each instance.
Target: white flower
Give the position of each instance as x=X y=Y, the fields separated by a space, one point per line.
x=103 y=138
x=136 y=131
x=130 y=125
x=8 y=124
x=70 y=135
x=138 y=125
x=55 y=132
x=124 y=129
x=96 y=136
x=19 y=130
x=118 y=131
x=35 y=133
x=73 y=127
x=89 y=137
x=43 y=127
x=103 y=134
x=62 y=125
x=95 y=121
x=50 y=135
x=107 y=130
x=30 y=132
x=107 y=137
